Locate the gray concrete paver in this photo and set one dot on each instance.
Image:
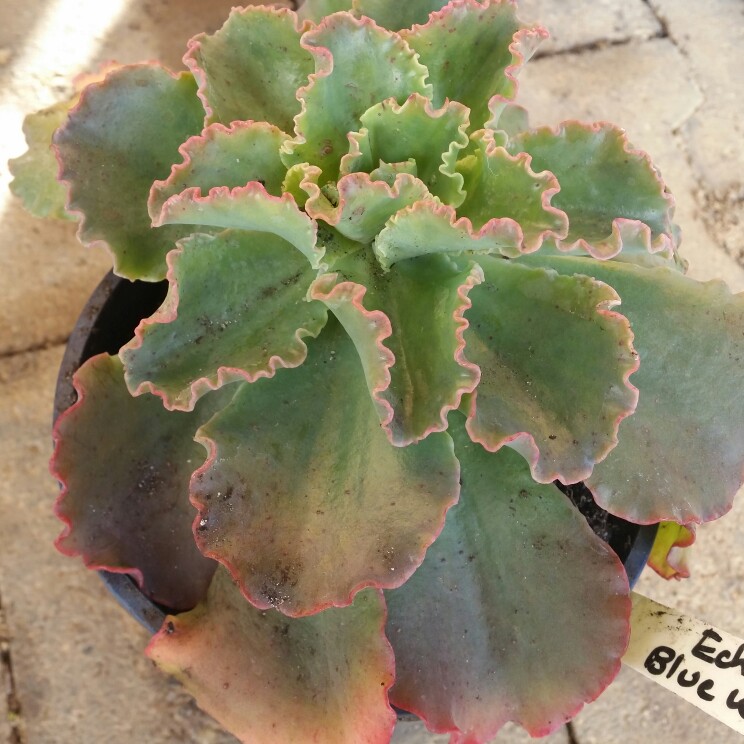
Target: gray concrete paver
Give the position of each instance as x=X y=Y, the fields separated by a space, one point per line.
x=572 y=25
x=711 y=35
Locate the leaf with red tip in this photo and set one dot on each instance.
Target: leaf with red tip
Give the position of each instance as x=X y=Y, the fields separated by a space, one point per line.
x=681 y=455
x=554 y=362
x=364 y=205
x=535 y=608
x=669 y=552
x=235 y=310
x=35 y=172
x=248 y=207
x=269 y=678
x=357 y=64
x=500 y=185
x=432 y=138
x=606 y=187
x=413 y=361
x=429 y=227
x=396 y=16
x=124 y=464
x=123 y=135
x=302 y=496
x=473 y=51
x=252 y=67
x=225 y=156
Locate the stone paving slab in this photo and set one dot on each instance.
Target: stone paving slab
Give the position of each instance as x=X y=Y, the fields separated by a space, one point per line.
x=711 y=35
x=573 y=24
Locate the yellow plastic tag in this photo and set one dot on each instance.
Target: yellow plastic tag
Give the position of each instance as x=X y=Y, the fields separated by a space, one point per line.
x=700 y=663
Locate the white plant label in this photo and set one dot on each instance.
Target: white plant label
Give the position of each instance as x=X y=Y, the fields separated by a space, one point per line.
x=700 y=663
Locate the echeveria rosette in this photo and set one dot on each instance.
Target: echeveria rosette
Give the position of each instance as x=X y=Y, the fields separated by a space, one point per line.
x=368 y=235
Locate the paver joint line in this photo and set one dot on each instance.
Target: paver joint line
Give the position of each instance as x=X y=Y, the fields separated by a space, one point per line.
x=599 y=44
x=12 y=702
x=662 y=22
x=571 y=733
x=43 y=346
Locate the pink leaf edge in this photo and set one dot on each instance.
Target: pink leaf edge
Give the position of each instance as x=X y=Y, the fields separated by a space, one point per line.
x=327 y=289
x=59 y=475
x=457 y=737
x=533 y=244
x=252 y=189
x=323 y=64
x=623 y=229
x=523 y=45
x=154 y=203
x=389 y=660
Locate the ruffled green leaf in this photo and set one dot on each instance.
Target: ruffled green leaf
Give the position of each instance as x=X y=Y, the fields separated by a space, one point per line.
x=364 y=205
x=124 y=465
x=606 y=187
x=413 y=362
x=554 y=362
x=123 y=135
x=473 y=51
x=432 y=138
x=518 y=613
x=235 y=310
x=499 y=185
x=249 y=207
x=681 y=455
x=302 y=496
x=252 y=67
x=225 y=156
x=398 y=15
x=357 y=64
x=266 y=677
x=35 y=172
x=431 y=227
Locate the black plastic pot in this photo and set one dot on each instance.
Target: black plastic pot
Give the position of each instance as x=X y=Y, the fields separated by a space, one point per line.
x=108 y=322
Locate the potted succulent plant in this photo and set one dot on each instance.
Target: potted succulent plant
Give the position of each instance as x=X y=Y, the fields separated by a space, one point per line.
x=397 y=320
